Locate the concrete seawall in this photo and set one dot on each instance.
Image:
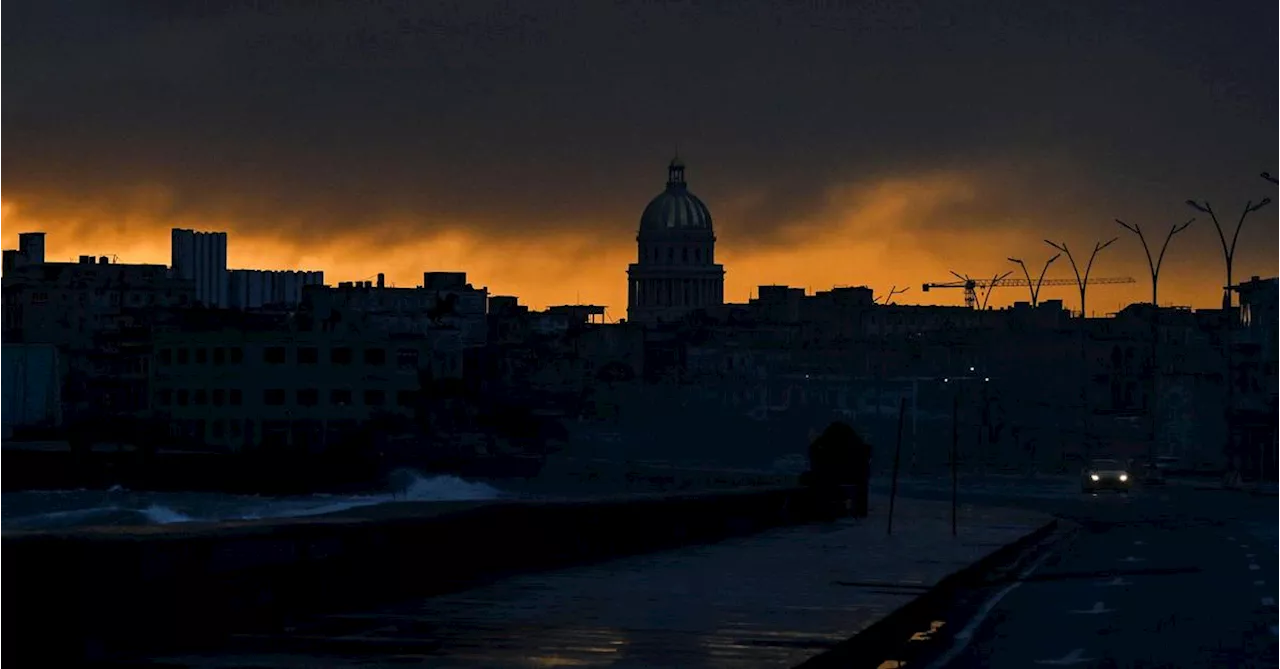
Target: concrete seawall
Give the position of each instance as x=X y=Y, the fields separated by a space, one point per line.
x=97 y=594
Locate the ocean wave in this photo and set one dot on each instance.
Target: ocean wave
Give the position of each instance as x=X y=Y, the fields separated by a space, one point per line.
x=120 y=507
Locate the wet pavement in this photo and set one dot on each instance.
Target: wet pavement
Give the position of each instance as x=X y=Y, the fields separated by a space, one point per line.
x=1166 y=576
x=769 y=600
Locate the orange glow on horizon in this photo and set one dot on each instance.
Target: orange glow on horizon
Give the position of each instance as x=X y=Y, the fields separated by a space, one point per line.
x=863 y=237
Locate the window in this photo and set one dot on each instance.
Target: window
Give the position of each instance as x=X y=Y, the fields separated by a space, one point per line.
x=219 y=356
x=217 y=429
x=405 y=398
x=183 y=356
x=697 y=255
x=407 y=358
x=166 y=356
x=340 y=397
x=340 y=355
x=202 y=397
x=237 y=355
x=374 y=398
x=308 y=397
x=273 y=397
x=39 y=298
x=308 y=355
x=182 y=397
x=165 y=397
x=236 y=398
x=375 y=356
x=219 y=397
x=273 y=355
x=684 y=255
x=202 y=356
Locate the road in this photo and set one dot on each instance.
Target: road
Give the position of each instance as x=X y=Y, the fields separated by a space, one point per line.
x=1164 y=577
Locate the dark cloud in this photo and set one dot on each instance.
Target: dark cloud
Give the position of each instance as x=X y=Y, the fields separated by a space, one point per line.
x=410 y=117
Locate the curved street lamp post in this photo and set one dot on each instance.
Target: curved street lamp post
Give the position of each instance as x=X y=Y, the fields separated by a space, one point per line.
x=1229 y=316
x=1228 y=252
x=1154 y=265
x=1035 y=286
x=1082 y=282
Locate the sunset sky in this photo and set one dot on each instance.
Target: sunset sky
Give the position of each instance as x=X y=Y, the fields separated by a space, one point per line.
x=836 y=143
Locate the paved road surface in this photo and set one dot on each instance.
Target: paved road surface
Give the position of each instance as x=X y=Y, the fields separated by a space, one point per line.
x=1170 y=577
x=769 y=600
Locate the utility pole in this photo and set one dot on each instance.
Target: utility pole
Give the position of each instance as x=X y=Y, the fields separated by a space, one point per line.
x=1154 y=266
x=1228 y=315
x=1082 y=282
x=1035 y=286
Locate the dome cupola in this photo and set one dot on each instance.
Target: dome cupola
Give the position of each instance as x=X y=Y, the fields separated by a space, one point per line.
x=675 y=208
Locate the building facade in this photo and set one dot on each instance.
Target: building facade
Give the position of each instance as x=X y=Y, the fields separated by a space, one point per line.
x=444 y=301
x=98 y=315
x=261 y=288
x=304 y=387
x=675 y=272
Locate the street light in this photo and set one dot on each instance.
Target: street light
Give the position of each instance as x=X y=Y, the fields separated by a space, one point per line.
x=1154 y=266
x=1035 y=287
x=1268 y=177
x=1082 y=282
x=1228 y=252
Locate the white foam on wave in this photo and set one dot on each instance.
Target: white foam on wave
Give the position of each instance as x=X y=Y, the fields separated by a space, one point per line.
x=413 y=488
x=163 y=515
x=165 y=509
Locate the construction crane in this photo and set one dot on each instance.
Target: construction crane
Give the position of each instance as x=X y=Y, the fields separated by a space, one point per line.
x=972 y=286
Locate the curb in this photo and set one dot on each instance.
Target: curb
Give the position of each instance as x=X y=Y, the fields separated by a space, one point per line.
x=868 y=646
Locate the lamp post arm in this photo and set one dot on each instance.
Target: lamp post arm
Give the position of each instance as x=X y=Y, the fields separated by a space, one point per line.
x=1137 y=230
x=1035 y=297
x=1172 y=231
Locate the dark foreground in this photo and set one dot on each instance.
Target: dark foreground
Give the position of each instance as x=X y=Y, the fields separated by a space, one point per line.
x=772 y=599
x=1165 y=577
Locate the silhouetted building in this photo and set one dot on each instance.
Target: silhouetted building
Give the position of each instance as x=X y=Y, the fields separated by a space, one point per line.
x=264 y=288
x=30 y=251
x=201 y=257
x=98 y=314
x=444 y=301
x=675 y=271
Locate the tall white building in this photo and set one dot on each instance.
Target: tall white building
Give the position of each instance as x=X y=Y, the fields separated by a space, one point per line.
x=202 y=257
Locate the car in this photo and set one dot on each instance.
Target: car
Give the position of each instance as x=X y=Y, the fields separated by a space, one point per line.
x=1105 y=474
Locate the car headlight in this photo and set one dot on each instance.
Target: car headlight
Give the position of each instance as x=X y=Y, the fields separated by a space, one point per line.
x=1093 y=477
x=1124 y=477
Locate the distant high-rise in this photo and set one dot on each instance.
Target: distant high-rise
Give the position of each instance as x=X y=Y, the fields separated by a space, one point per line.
x=675 y=270
x=31 y=251
x=202 y=257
